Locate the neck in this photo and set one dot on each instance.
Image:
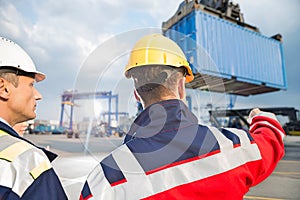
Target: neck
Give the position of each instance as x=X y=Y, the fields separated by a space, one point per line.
x=150 y=102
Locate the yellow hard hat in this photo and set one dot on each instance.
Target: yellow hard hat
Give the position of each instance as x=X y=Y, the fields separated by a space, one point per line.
x=156 y=49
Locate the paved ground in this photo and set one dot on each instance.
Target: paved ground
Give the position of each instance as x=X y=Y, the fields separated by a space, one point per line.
x=76 y=161
x=76 y=158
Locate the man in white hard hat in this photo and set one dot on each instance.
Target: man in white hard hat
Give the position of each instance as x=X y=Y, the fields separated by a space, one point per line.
x=25 y=169
x=167 y=154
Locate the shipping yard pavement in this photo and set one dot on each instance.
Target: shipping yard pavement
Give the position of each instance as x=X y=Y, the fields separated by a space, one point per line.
x=77 y=158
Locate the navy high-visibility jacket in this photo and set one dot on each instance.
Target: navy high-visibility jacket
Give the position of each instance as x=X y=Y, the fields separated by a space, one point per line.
x=25 y=170
x=168 y=155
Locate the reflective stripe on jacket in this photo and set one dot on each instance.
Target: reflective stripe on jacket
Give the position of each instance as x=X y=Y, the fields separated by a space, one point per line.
x=25 y=170
x=168 y=155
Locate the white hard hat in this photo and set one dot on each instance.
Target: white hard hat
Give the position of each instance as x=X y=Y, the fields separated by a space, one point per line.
x=12 y=56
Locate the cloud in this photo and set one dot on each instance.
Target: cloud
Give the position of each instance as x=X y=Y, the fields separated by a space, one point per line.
x=61 y=36
x=11 y=21
x=271 y=16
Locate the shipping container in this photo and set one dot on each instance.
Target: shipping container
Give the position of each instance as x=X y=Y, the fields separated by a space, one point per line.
x=227 y=55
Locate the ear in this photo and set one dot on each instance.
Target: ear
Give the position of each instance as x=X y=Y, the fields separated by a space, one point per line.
x=181 y=89
x=4 y=91
x=137 y=96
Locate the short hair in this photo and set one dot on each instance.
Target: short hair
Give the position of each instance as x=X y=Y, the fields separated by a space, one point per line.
x=10 y=77
x=153 y=82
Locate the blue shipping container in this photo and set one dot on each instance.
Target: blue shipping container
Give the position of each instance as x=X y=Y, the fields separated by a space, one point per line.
x=227 y=57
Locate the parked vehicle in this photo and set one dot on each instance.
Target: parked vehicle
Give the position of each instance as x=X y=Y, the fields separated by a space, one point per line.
x=39 y=129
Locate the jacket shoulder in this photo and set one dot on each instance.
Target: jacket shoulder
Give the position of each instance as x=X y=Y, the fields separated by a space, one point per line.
x=21 y=163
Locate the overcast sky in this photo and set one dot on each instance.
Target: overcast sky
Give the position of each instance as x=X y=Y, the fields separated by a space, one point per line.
x=63 y=36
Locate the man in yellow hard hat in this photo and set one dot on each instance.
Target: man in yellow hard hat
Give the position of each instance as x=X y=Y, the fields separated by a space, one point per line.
x=167 y=154
x=25 y=169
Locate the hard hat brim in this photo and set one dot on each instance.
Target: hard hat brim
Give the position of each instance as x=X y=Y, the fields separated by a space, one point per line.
x=39 y=76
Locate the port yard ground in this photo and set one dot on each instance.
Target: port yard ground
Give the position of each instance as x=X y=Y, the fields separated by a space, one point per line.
x=75 y=162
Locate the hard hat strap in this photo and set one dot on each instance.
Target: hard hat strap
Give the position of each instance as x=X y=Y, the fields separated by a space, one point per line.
x=18 y=72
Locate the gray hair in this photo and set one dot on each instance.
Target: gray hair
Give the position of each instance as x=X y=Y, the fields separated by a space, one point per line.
x=10 y=77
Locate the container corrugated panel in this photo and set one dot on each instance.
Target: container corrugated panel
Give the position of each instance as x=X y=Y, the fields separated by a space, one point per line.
x=217 y=48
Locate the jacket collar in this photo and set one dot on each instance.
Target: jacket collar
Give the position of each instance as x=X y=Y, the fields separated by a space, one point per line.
x=163 y=116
